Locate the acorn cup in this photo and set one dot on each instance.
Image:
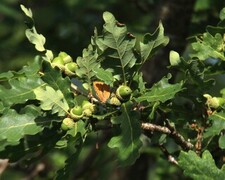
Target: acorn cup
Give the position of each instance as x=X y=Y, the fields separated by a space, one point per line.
x=76 y=112
x=214 y=102
x=88 y=108
x=70 y=68
x=114 y=101
x=66 y=58
x=58 y=62
x=67 y=124
x=123 y=93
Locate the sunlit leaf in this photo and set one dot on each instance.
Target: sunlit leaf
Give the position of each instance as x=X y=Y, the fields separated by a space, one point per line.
x=104 y=75
x=200 y=168
x=161 y=91
x=209 y=46
x=27 y=11
x=48 y=55
x=13 y=126
x=53 y=77
x=87 y=63
x=52 y=100
x=152 y=42
x=222 y=14
x=117 y=46
x=20 y=91
x=37 y=39
x=218 y=124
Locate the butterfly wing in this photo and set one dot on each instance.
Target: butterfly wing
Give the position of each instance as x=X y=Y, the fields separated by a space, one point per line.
x=102 y=90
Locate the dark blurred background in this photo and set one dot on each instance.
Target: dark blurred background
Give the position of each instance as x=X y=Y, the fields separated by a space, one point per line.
x=68 y=26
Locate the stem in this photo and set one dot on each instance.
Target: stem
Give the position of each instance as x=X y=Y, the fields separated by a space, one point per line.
x=179 y=139
x=168 y=155
x=3 y=165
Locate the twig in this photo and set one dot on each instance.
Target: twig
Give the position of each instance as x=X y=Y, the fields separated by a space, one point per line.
x=179 y=139
x=153 y=127
x=198 y=145
x=3 y=165
x=168 y=155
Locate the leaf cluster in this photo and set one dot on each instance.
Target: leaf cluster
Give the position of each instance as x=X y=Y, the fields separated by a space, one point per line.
x=105 y=92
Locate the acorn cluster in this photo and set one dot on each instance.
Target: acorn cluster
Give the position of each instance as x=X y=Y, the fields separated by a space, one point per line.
x=77 y=113
x=87 y=109
x=65 y=63
x=123 y=93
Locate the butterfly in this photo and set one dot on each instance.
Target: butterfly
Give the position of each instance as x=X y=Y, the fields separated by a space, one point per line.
x=102 y=90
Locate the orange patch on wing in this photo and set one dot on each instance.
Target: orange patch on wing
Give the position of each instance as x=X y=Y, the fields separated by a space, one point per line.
x=102 y=90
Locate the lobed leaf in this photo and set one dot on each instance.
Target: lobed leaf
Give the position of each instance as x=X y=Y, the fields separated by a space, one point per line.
x=32 y=147
x=209 y=46
x=53 y=77
x=218 y=124
x=37 y=39
x=48 y=55
x=200 y=168
x=138 y=83
x=117 y=46
x=222 y=14
x=27 y=11
x=104 y=75
x=6 y=76
x=14 y=126
x=128 y=142
x=161 y=91
x=20 y=84
x=87 y=63
x=78 y=128
x=152 y=42
x=52 y=100
x=21 y=90
x=4 y=143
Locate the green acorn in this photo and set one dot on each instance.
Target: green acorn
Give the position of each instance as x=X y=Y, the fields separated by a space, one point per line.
x=76 y=112
x=66 y=58
x=58 y=62
x=88 y=108
x=70 y=68
x=67 y=124
x=123 y=92
x=217 y=102
x=214 y=102
x=174 y=58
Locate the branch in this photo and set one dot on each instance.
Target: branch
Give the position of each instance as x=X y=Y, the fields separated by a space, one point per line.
x=168 y=155
x=153 y=127
x=179 y=139
x=3 y=165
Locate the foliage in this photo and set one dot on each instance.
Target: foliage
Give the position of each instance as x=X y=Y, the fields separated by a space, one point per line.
x=103 y=92
x=200 y=168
